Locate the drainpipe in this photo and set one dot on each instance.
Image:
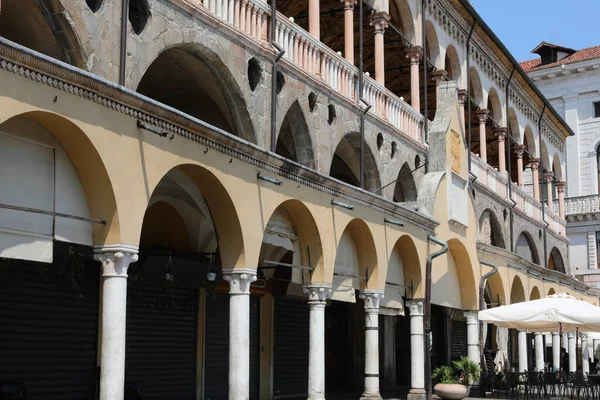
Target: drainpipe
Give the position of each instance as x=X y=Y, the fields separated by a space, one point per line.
x=123 y=55
x=427 y=319
x=425 y=138
x=469 y=90
x=360 y=97
x=482 y=307
x=274 y=76
x=540 y=169
x=508 y=147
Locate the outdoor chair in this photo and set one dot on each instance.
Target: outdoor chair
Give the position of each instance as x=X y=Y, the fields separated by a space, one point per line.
x=579 y=385
x=535 y=384
x=594 y=385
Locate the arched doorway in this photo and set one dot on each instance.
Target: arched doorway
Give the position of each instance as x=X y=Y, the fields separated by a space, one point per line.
x=294 y=140
x=345 y=164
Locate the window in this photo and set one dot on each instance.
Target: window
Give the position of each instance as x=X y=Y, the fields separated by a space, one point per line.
x=597 y=109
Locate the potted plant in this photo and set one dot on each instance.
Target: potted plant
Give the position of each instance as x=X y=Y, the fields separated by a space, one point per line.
x=454 y=381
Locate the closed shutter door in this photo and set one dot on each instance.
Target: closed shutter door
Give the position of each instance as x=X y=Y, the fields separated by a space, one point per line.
x=161 y=341
x=291 y=346
x=216 y=347
x=48 y=328
x=459 y=339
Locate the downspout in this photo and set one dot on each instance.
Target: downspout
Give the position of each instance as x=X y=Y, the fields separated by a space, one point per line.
x=540 y=169
x=425 y=138
x=509 y=170
x=427 y=319
x=360 y=97
x=482 y=307
x=123 y=55
x=274 y=76
x=469 y=90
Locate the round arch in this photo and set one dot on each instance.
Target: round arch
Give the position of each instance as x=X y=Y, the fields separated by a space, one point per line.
x=433 y=44
x=551 y=291
x=405 y=188
x=466 y=277
x=345 y=163
x=490 y=231
x=517 y=292
x=513 y=123
x=200 y=85
x=545 y=158
x=293 y=141
x=476 y=88
x=452 y=65
x=400 y=12
x=535 y=294
x=529 y=141
x=556 y=168
x=496 y=289
x=526 y=248
x=494 y=106
x=555 y=261
x=412 y=267
x=92 y=173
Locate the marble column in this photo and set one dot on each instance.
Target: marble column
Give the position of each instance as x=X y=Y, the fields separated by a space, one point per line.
x=314 y=18
x=560 y=188
x=585 y=355
x=462 y=100
x=318 y=293
x=414 y=54
x=519 y=151
x=349 y=30
x=379 y=21
x=239 y=331
x=371 y=299
x=535 y=175
x=417 y=349
x=572 y=352
x=522 y=338
x=556 y=350
x=473 y=336
x=501 y=135
x=483 y=115
x=439 y=76
x=539 y=351
x=115 y=260
x=548 y=177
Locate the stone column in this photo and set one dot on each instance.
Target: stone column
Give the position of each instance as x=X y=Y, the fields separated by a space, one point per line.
x=522 y=338
x=595 y=345
x=371 y=298
x=438 y=77
x=314 y=18
x=535 y=177
x=501 y=134
x=548 y=177
x=115 y=261
x=556 y=350
x=572 y=352
x=349 y=30
x=483 y=115
x=473 y=336
x=417 y=350
x=585 y=359
x=379 y=21
x=539 y=351
x=560 y=188
x=318 y=293
x=414 y=54
x=239 y=331
x=519 y=151
x=462 y=100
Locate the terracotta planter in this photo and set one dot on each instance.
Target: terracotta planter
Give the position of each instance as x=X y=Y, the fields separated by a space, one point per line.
x=453 y=391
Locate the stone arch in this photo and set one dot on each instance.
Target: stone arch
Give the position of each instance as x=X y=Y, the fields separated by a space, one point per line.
x=304 y=227
x=294 y=140
x=517 y=291
x=551 y=291
x=466 y=277
x=496 y=289
x=494 y=106
x=405 y=188
x=526 y=248
x=433 y=44
x=513 y=123
x=556 y=168
x=555 y=261
x=476 y=88
x=452 y=65
x=44 y=26
x=544 y=157
x=345 y=163
x=412 y=267
x=200 y=85
x=535 y=294
x=220 y=208
x=529 y=142
x=404 y=16
x=90 y=168
x=490 y=230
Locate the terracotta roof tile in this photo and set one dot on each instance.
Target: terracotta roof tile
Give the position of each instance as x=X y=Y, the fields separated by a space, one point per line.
x=581 y=55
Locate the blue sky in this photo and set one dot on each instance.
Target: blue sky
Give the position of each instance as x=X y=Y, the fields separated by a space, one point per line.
x=523 y=24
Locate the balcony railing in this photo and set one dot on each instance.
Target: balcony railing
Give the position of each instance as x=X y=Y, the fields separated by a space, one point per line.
x=315 y=58
x=580 y=204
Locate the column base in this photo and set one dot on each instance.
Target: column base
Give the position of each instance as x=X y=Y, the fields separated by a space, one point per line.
x=417 y=394
x=370 y=396
x=316 y=397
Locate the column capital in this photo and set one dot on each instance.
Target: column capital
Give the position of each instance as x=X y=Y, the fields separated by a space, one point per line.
x=555 y=334
x=535 y=163
x=115 y=259
x=483 y=114
x=371 y=297
x=462 y=96
x=548 y=176
x=439 y=76
x=571 y=335
x=239 y=279
x=415 y=54
x=348 y=4
x=379 y=21
x=318 y=293
x=500 y=133
x=472 y=317
x=560 y=186
x=416 y=307
x=519 y=150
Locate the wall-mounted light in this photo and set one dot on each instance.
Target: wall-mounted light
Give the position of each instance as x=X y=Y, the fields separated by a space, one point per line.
x=343 y=205
x=392 y=222
x=270 y=180
x=211 y=275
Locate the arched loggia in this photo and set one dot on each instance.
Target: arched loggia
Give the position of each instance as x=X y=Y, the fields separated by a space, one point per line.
x=526 y=248
x=345 y=164
x=490 y=231
x=294 y=140
x=405 y=188
x=555 y=261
